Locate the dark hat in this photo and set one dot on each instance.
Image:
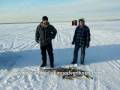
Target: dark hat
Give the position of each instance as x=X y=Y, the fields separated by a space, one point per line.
x=44 y=18
x=82 y=19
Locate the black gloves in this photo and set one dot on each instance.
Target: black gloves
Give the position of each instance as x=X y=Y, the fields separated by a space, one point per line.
x=73 y=43
x=87 y=45
x=37 y=40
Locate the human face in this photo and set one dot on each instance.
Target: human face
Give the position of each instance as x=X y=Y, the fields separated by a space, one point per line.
x=81 y=23
x=45 y=23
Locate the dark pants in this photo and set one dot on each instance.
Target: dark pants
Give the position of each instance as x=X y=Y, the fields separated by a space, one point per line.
x=82 y=57
x=47 y=49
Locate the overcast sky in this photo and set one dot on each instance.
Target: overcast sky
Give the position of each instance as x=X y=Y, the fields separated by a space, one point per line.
x=33 y=10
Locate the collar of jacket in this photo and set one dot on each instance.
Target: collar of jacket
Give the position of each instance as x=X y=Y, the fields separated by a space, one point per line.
x=84 y=27
x=42 y=23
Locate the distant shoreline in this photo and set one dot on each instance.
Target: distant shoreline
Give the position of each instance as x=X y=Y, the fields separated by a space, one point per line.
x=56 y=21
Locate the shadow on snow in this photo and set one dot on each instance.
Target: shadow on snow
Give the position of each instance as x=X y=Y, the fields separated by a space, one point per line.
x=95 y=54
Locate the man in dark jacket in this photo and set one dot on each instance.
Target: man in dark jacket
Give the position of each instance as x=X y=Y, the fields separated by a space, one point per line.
x=44 y=35
x=81 y=40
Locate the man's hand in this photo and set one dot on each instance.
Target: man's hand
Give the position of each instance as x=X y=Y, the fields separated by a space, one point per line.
x=73 y=43
x=37 y=41
x=87 y=45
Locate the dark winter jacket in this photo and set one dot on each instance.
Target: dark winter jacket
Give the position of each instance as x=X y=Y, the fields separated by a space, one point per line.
x=82 y=36
x=44 y=36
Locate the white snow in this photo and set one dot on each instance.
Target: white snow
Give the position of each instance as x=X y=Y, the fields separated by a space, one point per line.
x=20 y=58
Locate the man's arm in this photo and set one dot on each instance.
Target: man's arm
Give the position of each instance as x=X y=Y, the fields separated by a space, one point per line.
x=54 y=32
x=73 y=42
x=37 y=35
x=88 y=37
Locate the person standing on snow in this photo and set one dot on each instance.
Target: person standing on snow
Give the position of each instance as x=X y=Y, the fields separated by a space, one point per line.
x=44 y=35
x=81 y=41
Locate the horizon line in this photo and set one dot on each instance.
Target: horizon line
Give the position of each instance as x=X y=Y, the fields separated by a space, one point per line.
x=28 y=22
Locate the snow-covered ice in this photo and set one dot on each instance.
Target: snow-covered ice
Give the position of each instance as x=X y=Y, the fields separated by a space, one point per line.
x=20 y=57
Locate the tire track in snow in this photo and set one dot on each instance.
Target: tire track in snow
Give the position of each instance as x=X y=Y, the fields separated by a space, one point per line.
x=108 y=81
x=114 y=66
